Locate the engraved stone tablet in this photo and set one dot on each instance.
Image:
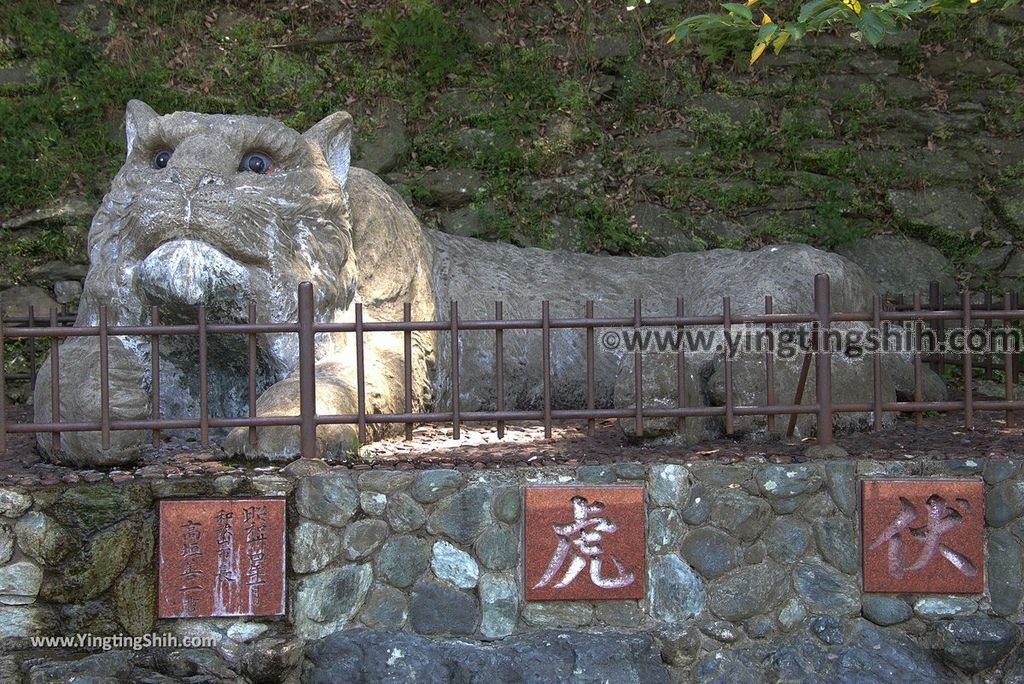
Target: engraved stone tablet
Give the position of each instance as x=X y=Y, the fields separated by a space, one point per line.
x=923 y=536
x=584 y=543
x=221 y=557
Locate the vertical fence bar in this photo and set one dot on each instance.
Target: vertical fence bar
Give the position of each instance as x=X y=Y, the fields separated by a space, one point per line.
x=967 y=364
x=32 y=348
x=307 y=371
x=407 y=340
x=938 y=360
x=499 y=370
x=680 y=367
x=453 y=316
x=591 y=422
x=545 y=333
x=3 y=389
x=1008 y=374
x=154 y=371
x=822 y=359
x=251 y=344
x=988 y=331
x=638 y=370
x=727 y=361
x=918 y=387
x=769 y=362
x=1019 y=360
x=54 y=384
x=204 y=407
x=104 y=381
x=801 y=383
x=876 y=365
x=360 y=374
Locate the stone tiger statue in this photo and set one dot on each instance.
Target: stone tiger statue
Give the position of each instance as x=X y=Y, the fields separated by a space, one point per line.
x=222 y=210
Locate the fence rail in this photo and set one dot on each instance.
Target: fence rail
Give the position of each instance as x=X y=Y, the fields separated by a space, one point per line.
x=933 y=315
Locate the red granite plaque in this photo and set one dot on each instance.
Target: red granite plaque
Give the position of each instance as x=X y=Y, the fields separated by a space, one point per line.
x=221 y=557
x=584 y=543
x=923 y=536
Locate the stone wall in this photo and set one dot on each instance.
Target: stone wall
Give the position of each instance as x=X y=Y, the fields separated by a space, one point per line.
x=751 y=568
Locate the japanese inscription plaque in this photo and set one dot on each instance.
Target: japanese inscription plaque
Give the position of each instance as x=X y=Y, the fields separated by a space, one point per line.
x=584 y=543
x=221 y=557
x=923 y=536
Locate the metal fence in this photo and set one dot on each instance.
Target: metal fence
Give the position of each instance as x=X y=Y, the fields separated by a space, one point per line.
x=1004 y=312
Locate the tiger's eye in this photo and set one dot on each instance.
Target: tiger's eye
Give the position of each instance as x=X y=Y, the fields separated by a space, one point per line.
x=257 y=162
x=161 y=158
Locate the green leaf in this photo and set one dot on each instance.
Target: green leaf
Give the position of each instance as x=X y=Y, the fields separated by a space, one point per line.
x=780 y=40
x=741 y=10
x=766 y=32
x=870 y=26
x=795 y=30
x=812 y=8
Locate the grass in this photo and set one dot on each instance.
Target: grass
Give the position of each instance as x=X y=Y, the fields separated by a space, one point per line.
x=60 y=130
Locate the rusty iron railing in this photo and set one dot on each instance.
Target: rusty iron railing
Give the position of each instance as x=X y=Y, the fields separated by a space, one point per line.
x=936 y=315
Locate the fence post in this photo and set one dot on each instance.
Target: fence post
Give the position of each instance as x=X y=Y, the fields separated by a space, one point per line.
x=822 y=359
x=938 y=360
x=3 y=389
x=307 y=373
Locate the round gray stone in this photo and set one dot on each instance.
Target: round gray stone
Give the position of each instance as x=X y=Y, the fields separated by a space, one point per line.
x=1004 y=502
x=886 y=610
x=1000 y=469
x=747 y=591
x=826 y=590
x=463 y=516
x=558 y=614
x=900 y=266
x=404 y=514
x=498 y=548
x=780 y=483
x=327 y=601
x=787 y=539
x=363 y=537
x=314 y=546
x=433 y=485
x=934 y=607
x=596 y=474
x=454 y=565
x=841 y=479
x=499 y=605
x=402 y=560
x=6 y=543
x=330 y=498
x=14 y=502
x=676 y=592
x=373 y=503
x=837 y=543
x=385 y=608
x=698 y=508
x=1005 y=569
x=792 y=614
x=669 y=485
x=976 y=642
x=828 y=629
x=665 y=530
x=508 y=505
x=384 y=481
x=719 y=630
x=743 y=516
x=711 y=552
x=19 y=583
x=436 y=608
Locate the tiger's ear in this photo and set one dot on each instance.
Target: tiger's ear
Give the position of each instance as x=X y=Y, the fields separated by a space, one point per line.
x=333 y=135
x=137 y=117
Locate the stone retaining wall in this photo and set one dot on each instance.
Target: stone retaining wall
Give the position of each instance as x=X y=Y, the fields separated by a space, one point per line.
x=746 y=563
